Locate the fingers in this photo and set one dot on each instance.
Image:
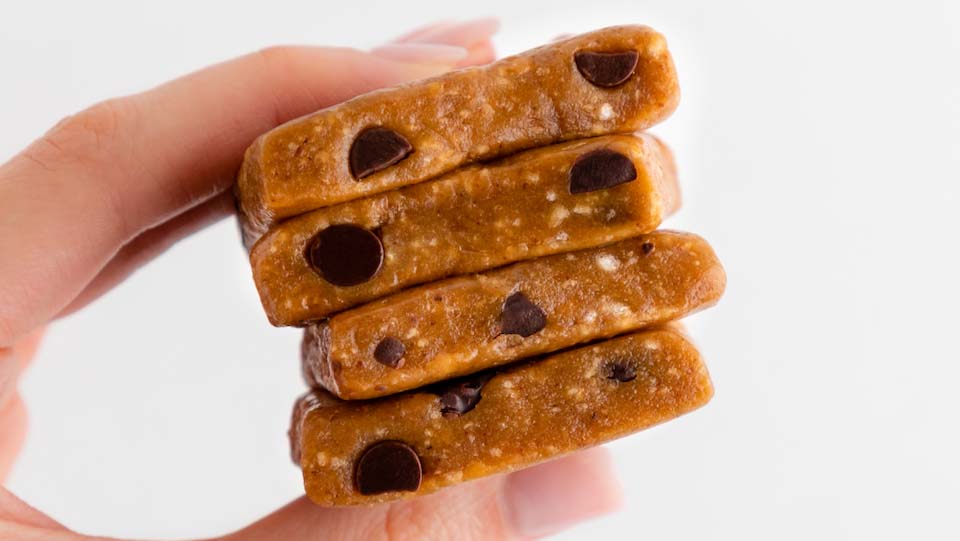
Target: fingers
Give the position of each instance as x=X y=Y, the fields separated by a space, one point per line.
x=13 y=360
x=466 y=34
x=13 y=426
x=535 y=502
x=417 y=32
x=545 y=500
x=474 y=36
x=71 y=200
x=13 y=412
x=19 y=518
x=466 y=44
x=482 y=53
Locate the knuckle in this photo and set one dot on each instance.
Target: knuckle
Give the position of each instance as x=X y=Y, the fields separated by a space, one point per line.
x=276 y=56
x=85 y=136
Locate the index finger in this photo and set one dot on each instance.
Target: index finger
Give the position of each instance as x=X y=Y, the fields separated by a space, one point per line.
x=72 y=199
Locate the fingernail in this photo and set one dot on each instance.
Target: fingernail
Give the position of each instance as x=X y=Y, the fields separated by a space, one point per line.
x=551 y=497
x=465 y=34
x=421 y=53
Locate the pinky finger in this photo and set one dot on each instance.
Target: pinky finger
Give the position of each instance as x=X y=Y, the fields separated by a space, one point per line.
x=482 y=53
x=420 y=31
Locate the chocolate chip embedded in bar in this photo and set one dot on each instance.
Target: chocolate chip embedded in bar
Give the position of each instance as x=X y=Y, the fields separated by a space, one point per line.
x=521 y=317
x=405 y=445
x=606 y=69
x=466 y=324
x=615 y=80
x=388 y=466
x=459 y=396
x=325 y=254
x=543 y=201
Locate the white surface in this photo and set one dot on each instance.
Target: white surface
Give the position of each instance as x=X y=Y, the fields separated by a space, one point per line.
x=819 y=147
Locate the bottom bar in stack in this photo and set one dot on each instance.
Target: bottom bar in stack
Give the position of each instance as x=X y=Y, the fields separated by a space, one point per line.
x=364 y=452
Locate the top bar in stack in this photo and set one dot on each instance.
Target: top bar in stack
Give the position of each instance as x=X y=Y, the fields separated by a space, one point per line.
x=614 y=80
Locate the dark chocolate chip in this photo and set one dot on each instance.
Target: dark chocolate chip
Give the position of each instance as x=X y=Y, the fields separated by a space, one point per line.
x=390 y=352
x=599 y=170
x=375 y=149
x=520 y=316
x=462 y=396
x=606 y=69
x=346 y=254
x=646 y=247
x=388 y=466
x=620 y=370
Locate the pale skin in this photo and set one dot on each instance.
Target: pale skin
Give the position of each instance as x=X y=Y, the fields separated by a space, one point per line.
x=108 y=189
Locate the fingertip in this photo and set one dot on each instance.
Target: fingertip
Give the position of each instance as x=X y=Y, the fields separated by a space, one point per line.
x=479 y=54
x=556 y=495
x=465 y=34
x=421 y=30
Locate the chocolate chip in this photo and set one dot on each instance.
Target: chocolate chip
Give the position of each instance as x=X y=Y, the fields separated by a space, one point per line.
x=646 y=247
x=599 y=170
x=346 y=254
x=459 y=397
x=375 y=149
x=606 y=69
x=390 y=352
x=388 y=466
x=520 y=316
x=620 y=370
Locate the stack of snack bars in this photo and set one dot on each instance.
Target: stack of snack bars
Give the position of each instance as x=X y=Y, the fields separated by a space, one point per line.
x=476 y=264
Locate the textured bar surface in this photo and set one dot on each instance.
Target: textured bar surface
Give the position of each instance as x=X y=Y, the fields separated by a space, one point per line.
x=454 y=327
x=470 y=220
x=529 y=100
x=526 y=414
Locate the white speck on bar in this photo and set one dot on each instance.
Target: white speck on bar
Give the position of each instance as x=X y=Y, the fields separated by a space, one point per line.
x=606 y=112
x=608 y=262
x=558 y=214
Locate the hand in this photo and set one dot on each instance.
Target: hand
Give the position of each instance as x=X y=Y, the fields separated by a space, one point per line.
x=110 y=188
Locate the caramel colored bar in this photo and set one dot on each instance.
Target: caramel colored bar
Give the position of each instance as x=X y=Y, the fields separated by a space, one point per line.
x=544 y=201
x=408 y=134
x=415 y=443
x=466 y=324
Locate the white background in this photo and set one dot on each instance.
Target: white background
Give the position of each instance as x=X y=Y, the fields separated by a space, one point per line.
x=819 y=146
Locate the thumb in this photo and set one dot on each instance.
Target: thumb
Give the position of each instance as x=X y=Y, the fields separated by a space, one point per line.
x=526 y=504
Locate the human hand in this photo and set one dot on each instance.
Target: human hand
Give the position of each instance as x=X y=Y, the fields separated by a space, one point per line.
x=109 y=188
